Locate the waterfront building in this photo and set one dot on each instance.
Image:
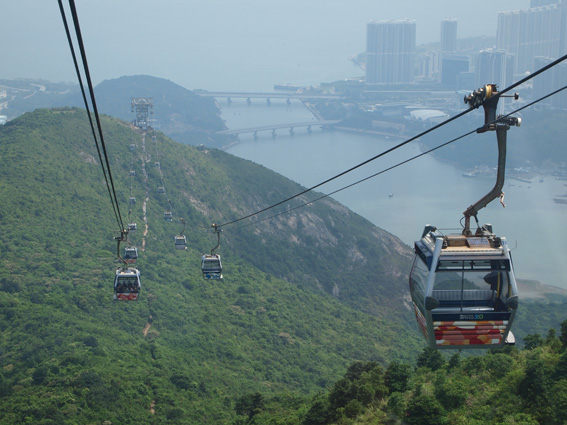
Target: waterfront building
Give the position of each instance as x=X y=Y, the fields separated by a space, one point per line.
x=538 y=31
x=390 y=50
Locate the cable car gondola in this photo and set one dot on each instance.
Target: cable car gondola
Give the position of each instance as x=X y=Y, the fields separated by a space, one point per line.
x=127 y=284
x=161 y=190
x=211 y=265
x=168 y=216
x=181 y=240
x=132 y=226
x=463 y=289
x=132 y=201
x=462 y=286
x=130 y=254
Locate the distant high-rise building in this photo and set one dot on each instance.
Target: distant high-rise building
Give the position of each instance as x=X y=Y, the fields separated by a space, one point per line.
x=554 y=78
x=449 y=36
x=494 y=67
x=451 y=67
x=538 y=31
x=390 y=52
x=448 y=47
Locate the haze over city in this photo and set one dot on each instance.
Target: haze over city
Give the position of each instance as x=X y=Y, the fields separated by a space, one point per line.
x=221 y=45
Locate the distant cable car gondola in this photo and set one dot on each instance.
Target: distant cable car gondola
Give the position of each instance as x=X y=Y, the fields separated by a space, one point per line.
x=462 y=286
x=132 y=226
x=131 y=254
x=181 y=240
x=127 y=284
x=132 y=201
x=132 y=173
x=211 y=265
x=161 y=190
x=168 y=216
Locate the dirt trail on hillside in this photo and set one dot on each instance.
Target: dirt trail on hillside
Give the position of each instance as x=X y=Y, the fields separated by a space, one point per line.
x=145 y=204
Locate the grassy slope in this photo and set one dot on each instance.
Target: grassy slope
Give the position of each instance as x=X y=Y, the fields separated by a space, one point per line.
x=68 y=354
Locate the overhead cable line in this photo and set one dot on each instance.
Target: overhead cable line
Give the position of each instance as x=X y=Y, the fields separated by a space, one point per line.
x=523 y=80
x=447 y=121
x=106 y=171
x=352 y=168
x=405 y=161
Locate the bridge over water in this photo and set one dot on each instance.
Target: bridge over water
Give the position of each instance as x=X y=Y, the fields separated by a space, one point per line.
x=268 y=96
x=274 y=127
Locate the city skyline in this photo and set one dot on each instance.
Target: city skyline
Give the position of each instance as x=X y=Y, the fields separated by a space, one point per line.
x=193 y=43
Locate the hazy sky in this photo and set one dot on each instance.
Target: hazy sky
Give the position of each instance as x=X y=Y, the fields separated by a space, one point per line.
x=219 y=44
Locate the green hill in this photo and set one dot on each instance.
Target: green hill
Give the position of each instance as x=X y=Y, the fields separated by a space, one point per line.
x=179 y=113
x=304 y=294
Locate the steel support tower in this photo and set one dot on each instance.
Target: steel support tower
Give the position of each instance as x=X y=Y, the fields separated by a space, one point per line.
x=143 y=106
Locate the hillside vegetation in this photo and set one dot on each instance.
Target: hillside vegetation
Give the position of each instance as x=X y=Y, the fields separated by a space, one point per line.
x=311 y=324
x=503 y=387
x=304 y=294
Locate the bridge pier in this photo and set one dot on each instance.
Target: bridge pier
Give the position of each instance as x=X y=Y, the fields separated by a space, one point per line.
x=309 y=129
x=248 y=101
x=291 y=132
x=274 y=132
x=228 y=100
x=268 y=101
x=255 y=135
x=288 y=101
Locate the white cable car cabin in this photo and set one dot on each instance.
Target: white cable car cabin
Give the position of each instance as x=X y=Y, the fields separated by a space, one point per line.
x=132 y=226
x=161 y=190
x=127 y=284
x=132 y=201
x=130 y=254
x=211 y=266
x=463 y=290
x=132 y=173
x=168 y=216
x=180 y=242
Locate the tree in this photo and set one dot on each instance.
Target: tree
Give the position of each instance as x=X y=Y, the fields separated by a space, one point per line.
x=397 y=376
x=249 y=405
x=563 y=335
x=532 y=341
x=424 y=409
x=430 y=358
x=536 y=383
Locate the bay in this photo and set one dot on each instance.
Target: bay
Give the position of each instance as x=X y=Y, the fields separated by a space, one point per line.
x=403 y=200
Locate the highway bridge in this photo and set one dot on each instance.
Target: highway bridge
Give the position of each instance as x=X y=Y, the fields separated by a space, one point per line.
x=274 y=127
x=268 y=96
